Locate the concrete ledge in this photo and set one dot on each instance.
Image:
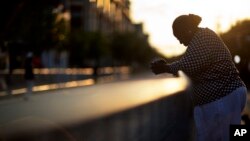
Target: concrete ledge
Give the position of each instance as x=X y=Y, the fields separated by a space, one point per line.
x=148 y=109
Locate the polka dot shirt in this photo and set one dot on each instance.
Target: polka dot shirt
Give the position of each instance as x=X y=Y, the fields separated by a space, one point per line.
x=208 y=63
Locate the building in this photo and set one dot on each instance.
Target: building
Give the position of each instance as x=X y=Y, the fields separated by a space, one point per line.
x=100 y=15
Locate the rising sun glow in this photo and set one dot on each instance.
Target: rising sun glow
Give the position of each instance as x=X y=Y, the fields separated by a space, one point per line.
x=158 y=15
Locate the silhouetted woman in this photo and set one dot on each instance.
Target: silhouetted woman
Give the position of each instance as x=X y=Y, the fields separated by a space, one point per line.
x=219 y=94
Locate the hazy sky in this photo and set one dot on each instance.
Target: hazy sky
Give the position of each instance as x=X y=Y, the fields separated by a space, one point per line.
x=158 y=15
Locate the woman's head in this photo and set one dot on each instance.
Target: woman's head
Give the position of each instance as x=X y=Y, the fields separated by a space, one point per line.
x=185 y=26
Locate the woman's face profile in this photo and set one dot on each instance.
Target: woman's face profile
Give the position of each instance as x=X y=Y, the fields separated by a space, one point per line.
x=183 y=29
x=183 y=36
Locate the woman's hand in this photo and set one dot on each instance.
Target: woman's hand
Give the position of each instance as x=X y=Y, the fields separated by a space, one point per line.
x=158 y=66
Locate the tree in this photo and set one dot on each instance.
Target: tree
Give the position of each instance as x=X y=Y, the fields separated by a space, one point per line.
x=237 y=38
x=29 y=21
x=132 y=50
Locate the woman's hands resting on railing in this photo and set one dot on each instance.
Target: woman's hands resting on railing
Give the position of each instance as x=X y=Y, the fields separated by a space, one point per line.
x=159 y=66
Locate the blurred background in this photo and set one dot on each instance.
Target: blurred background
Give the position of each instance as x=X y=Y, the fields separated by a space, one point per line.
x=50 y=42
x=48 y=46
x=78 y=39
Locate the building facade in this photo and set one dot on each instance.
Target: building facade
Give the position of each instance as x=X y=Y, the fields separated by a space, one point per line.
x=100 y=15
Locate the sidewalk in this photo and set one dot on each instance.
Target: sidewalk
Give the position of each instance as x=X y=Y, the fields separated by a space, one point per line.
x=63 y=81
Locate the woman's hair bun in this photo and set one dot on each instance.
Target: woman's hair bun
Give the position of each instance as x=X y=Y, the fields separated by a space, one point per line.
x=194 y=20
x=188 y=22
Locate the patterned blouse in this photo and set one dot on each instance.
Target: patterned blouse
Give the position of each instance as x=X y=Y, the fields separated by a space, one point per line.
x=208 y=63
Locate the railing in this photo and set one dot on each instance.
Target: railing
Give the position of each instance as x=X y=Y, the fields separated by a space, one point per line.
x=57 y=78
x=152 y=109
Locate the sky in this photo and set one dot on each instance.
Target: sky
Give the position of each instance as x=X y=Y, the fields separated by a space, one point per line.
x=158 y=15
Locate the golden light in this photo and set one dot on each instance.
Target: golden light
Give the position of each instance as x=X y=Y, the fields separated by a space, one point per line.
x=158 y=16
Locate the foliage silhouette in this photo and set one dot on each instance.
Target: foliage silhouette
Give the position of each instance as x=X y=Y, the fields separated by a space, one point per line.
x=237 y=38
